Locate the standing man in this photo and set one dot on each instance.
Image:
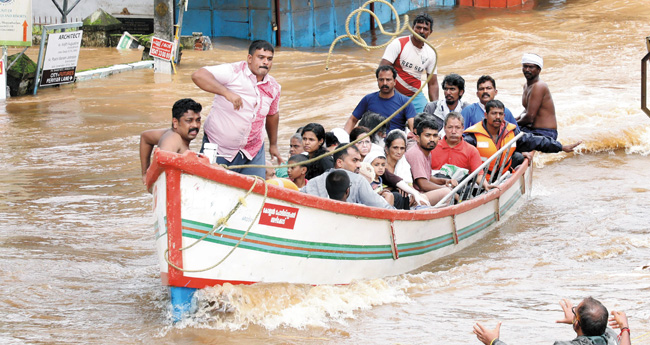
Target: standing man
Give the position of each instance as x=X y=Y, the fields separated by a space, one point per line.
x=453 y=87
x=246 y=100
x=539 y=113
x=411 y=57
x=486 y=90
x=384 y=102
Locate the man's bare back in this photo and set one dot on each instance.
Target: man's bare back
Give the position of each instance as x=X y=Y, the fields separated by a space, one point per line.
x=539 y=109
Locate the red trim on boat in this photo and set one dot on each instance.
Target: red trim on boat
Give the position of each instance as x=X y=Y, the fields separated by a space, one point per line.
x=195 y=164
x=174 y=224
x=200 y=283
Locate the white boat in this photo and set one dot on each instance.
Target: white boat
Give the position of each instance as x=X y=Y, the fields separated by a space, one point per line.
x=292 y=237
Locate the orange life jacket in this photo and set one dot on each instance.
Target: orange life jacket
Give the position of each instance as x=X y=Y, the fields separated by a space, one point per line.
x=487 y=147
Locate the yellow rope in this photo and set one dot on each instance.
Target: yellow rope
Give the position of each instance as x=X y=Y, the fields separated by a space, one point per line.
x=222 y=221
x=359 y=41
x=641 y=336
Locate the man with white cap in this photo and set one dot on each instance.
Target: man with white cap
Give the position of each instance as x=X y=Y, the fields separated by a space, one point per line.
x=539 y=114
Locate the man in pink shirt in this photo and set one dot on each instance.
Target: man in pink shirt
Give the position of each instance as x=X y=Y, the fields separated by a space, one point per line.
x=246 y=100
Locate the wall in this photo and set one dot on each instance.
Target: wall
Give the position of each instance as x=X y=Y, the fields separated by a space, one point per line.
x=303 y=23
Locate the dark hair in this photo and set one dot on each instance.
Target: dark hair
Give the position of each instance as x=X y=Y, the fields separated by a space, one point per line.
x=454 y=80
x=299 y=158
x=315 y=128
x=423 y=116
x=343 y=153
x=357 y=132
x=592 y=316
x=425 y=19
x=392 y=136
x=371 y=120
x=424 y=124
x=485 y=78
x=331 y=139
x=260 y=44
x=383 y=68
x=454 y=115
x=337 y=183
x=183 y=105
x=494 y=104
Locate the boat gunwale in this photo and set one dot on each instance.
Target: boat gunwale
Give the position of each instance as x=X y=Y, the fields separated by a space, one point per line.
x=198 y=165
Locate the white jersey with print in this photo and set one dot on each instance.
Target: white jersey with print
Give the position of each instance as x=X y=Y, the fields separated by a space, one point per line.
x=410 y=62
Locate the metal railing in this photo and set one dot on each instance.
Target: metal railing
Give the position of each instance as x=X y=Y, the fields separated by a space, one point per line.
x=468 y=188
x=644 y=78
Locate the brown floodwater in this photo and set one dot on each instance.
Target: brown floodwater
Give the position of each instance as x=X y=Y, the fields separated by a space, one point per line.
x=77 y=262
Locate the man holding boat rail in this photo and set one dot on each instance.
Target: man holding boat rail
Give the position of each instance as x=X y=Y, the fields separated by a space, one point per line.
x=412 y=57
x=246 y=100
x=494 y=132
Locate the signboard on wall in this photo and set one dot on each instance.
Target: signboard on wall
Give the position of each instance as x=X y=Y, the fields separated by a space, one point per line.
x=61 y=58
x=15 y=23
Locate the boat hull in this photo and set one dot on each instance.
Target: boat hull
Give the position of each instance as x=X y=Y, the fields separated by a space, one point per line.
x=299 y=238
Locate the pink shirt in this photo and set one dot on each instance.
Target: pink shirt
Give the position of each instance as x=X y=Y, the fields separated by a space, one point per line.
x=420 y=164
x=241 y=130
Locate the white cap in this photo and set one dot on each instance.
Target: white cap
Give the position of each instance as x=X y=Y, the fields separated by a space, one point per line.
x=534 y=59
x=341 y=135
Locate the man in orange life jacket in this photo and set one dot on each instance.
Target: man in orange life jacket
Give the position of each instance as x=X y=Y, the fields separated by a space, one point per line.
x=494 y=132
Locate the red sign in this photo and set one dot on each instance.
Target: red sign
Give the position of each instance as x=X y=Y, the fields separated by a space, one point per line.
x=161 y=49
x=1 y=67
x=279 y=216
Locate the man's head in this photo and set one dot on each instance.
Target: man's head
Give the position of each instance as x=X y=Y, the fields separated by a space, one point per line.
x=349 y=159
x=260 y=58
x=186 y=118
x=295 y=144
x=454 y=87
x=386 y=75
x=331 y=141
x=531 y=65
x=590 y=317
x=423 y=25
x=427 y=134
x=486 y=89
x=337 y=184
x=495 y=114
x=454 y=126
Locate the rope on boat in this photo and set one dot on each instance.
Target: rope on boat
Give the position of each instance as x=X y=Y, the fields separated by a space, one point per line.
x=223 y=222
x=356 y=38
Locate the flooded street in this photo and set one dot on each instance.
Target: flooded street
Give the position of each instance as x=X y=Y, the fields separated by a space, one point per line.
x=78 y=264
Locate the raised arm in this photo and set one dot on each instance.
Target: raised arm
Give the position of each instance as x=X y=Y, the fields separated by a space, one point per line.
x=207 y=82
x=350 y=123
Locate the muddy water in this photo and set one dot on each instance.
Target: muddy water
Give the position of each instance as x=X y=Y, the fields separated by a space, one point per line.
x=77 y=252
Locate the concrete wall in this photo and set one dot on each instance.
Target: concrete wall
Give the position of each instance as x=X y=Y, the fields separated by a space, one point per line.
x=45 y=8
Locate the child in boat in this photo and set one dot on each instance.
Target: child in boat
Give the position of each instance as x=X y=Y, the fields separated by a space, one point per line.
x=298 y=172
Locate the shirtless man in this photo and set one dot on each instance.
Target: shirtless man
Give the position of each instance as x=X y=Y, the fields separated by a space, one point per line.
x=186 y=122
x=539 y=115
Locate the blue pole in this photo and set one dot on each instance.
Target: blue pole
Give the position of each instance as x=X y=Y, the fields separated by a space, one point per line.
x=182 y=301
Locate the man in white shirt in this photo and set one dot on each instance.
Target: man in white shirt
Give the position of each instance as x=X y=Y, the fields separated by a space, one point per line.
x=411 y=57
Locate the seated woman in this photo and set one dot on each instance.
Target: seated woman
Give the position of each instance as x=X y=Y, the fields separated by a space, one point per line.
x=364 y=145
x=395 y=147
x=400 y=200
x=313 y=138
